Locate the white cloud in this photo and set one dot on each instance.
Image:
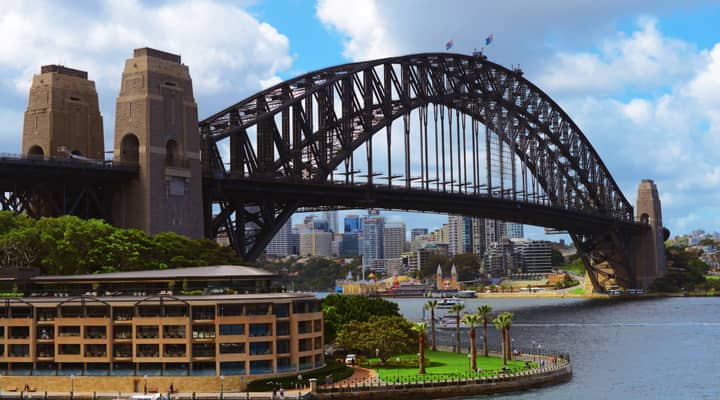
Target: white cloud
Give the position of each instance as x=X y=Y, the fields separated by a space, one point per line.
x=226 y=48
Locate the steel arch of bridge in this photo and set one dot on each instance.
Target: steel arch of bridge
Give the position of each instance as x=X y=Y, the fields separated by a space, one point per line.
x=306 y=132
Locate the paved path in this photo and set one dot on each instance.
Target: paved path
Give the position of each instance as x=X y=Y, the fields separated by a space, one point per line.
x=359 y=375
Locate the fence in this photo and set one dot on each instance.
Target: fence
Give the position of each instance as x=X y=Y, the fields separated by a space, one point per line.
x=556 y=361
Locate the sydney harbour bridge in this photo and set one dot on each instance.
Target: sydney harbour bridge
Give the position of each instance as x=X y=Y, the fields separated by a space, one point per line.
x=435 y=132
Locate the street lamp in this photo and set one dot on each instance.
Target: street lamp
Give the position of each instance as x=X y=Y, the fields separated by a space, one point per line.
x=72 y=385
x=469 y=361
x=145 y=383
x=222 y=387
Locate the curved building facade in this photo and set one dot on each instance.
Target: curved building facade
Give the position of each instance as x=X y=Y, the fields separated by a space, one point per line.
x=195 y=328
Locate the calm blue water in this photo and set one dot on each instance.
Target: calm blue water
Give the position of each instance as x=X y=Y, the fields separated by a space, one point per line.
x=639 y=349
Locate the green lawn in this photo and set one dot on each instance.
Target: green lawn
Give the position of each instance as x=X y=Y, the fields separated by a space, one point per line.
x=577 y=291
x=712 y=277
x=439 y=365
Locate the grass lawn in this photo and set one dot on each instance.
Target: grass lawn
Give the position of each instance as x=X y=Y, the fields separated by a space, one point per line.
x=712 y=277
x=577 y=291
x=439 y=365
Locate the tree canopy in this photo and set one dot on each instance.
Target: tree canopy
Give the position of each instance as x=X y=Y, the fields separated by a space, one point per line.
x=383 y=336
x=70 y=245
x=341 y=310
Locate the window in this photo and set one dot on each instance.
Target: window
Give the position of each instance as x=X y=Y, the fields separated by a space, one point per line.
x=305 y=345
x=257 y=309
x=232 y=329
x=304 y=327
x=260 y=329
x=281 y=310
x=69 y=349
x=231 y=310
x=261 y=367
x=232 y=348
x=317 y=325
x=283 y=328
x=283 y=346
x=174 y=331
x=232 y=368
x=260 y=348
x=69 y=331
x=148 y=350
x=147 y=332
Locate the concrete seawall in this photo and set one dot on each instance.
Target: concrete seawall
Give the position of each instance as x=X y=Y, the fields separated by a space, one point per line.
x=471 y=387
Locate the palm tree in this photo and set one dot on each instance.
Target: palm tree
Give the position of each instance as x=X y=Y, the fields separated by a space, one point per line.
x=432 y=305
x=420 y=328
x=484 y=313
x=503 y=322
x=457 y=309
x=472 y=321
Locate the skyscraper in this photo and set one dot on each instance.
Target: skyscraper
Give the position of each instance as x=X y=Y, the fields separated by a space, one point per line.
x=460 y=234
x=514 y=230
x=373 y=230
x=280 y=244
x=393 y=239
x=415 y=232
x=353 y=224
x=332 y=218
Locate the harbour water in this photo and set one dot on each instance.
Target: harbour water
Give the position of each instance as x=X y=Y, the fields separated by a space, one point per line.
x=660 y=348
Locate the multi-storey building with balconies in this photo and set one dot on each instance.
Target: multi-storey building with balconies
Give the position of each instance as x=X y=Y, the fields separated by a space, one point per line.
x=191 y=327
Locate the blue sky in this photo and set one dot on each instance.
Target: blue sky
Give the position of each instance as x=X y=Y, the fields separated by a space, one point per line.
x=640 y=77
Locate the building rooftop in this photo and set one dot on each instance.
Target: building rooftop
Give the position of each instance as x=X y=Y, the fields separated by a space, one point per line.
x=209 y=272
x=60 y=69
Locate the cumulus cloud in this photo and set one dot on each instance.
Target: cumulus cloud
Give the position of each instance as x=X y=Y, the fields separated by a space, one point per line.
x=230 y=53
x=224 y=45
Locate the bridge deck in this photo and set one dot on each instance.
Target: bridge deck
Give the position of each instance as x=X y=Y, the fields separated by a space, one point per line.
x=379 y=196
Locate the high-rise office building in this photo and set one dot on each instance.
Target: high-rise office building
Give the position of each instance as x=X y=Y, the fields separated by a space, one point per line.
x=373 y=230
x=514 y=230
x=460 y=234
x=353 y=224
x=316 y=243
x=350 y=245
x=415 y=232
x=280 y=244
x=393 y=239
x=536 y=255
x=332 y=219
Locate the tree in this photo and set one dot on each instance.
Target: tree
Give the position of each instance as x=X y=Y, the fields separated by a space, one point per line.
x=432 y=305
x=382 y=336
x=502 y=323
x=557 y=258
x=340 y=310
x=420 y=328
x=484 y=313
x=467 y=266
x=472 y=321
x=429 y=268
x=457 y=309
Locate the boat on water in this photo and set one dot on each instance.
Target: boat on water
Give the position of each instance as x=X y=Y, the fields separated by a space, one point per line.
x=467 y=294
x=447 y=303
x=450 y=321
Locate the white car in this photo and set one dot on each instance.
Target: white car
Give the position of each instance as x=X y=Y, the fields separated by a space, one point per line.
x=350 y=359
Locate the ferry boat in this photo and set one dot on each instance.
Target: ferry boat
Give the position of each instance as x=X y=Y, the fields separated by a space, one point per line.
x=447 y=303
x=449 y=321
x=467 y=294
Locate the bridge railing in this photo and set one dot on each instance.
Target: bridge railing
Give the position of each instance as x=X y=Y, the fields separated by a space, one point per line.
x=64 y=160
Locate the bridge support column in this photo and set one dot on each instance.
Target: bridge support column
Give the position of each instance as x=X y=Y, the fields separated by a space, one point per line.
x=649 y=247
x=156 y=127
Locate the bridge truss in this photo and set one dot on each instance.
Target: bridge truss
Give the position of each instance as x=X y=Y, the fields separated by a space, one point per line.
x=430 y=132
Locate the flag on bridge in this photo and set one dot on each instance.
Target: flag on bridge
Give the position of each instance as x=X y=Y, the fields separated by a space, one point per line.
x=449 y=45
x=489 y=39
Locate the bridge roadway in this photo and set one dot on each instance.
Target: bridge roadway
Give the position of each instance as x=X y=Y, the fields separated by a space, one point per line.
x=60 y=186
x=362 y=196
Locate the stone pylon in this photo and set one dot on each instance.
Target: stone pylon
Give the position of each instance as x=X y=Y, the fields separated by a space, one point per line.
x=156 y=126
x=650 y=262
x=63 y=116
